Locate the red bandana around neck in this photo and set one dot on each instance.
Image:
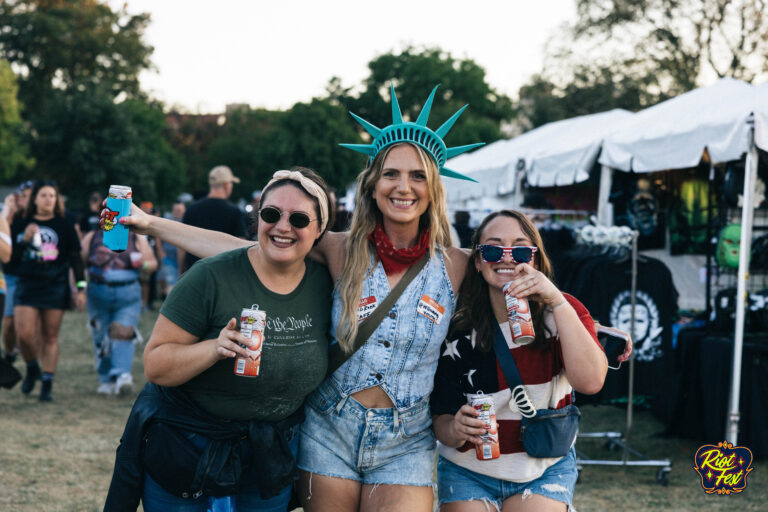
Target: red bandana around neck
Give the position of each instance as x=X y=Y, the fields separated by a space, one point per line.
x=395 y=260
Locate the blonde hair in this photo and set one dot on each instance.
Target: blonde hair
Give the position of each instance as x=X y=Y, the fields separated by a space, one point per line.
x=358 y=249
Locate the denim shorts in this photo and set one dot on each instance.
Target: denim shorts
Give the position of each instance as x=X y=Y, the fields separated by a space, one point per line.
x=169 y=272
x=341 y=438
x=455 y=483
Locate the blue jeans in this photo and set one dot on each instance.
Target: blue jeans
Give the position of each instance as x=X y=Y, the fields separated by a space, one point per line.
x=108 y=304
x=455 y=483
x=157 y=499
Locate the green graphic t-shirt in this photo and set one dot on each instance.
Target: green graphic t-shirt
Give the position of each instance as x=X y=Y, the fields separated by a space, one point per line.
x=294 y=354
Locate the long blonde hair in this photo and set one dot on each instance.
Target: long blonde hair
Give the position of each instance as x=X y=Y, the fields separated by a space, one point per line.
x=358 y=249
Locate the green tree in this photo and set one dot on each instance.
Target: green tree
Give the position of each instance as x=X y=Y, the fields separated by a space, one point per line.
x=316 y=129
x=14 y=154
x=253 y=144
x=414 y=72
x=191 y=135
x=61 y=44
x=633 y=54
x=86 y=142
x=683 y=40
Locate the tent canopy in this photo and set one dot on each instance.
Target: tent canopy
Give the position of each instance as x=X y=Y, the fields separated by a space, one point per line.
x=558 y=153
x=674 y=134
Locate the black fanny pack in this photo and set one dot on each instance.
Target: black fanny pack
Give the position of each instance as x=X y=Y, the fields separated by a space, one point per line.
x=548 y=432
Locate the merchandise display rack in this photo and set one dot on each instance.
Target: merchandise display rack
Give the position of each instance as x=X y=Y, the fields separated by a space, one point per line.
x=615 y=440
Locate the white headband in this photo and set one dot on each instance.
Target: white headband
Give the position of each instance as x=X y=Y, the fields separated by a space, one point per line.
x=310 y=187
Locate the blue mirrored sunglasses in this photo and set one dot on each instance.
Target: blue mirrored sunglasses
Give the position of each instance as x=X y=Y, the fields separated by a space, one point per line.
x=494 y=253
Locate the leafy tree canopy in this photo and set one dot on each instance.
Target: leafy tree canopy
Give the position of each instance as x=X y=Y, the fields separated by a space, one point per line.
x=633 y=54
x=86 y=141
x=14 y=154
x=414 y=72
x=60 y=44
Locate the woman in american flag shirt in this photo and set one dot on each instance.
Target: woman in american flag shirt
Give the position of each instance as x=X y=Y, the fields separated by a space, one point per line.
x=564 y=356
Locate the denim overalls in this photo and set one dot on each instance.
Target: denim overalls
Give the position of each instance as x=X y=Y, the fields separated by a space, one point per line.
x=342 y=438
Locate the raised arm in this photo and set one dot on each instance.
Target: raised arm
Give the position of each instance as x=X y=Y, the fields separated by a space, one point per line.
x=200 y=242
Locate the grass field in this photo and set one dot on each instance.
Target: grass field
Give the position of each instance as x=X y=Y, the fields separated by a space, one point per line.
x=59 y=456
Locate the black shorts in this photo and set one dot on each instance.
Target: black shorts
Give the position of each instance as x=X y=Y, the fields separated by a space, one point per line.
x=42 y=294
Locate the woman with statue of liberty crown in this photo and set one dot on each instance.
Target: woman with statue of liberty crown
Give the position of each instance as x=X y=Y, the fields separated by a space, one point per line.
x=367 y=442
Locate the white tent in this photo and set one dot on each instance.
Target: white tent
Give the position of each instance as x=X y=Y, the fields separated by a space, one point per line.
x=674 y=133
x=558 y=153
x=728 y=119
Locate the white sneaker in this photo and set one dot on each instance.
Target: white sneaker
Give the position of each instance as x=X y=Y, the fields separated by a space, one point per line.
x=106 y=388
x=124 y=383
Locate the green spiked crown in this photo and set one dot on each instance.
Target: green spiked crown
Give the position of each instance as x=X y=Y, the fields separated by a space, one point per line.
x=414 y=133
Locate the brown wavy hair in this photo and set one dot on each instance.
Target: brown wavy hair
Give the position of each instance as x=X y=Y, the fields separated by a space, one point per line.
x=475 y=311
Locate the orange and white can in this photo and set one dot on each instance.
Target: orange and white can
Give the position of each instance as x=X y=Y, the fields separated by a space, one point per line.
x=252 y=324
x=519 y=315
x=486 y=409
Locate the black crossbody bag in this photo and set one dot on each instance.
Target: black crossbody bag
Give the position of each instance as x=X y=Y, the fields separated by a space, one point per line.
x=548 y=432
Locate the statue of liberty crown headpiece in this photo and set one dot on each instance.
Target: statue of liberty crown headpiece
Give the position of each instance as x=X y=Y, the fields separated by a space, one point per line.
x=414 y=133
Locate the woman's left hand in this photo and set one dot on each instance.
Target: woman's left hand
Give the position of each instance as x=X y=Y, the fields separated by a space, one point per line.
x=80 y=300
x=532 y=284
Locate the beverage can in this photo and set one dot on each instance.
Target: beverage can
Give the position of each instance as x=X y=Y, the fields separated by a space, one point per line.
x=486 y=409
x=519 y=315
x=119 y=201
x=252 y=324
x=120 y=192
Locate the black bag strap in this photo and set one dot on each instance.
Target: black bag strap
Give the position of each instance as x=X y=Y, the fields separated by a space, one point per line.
x=506 y=361
x=336 y=356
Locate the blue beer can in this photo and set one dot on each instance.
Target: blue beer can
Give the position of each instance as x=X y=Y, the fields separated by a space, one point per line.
x=119 y=203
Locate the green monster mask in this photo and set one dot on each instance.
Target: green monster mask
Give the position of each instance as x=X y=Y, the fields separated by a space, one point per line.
x=728 y=246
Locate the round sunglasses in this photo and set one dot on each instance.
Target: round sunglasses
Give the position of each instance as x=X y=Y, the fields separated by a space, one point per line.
x=494 y=253
x=272 y=215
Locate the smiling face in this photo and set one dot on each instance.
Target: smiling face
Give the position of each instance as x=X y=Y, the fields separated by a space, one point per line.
x=507 y=232
x=281 y=243
x=402 y=190
x=45 y=201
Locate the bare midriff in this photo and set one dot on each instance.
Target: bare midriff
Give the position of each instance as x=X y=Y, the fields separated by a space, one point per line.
x=373 y=398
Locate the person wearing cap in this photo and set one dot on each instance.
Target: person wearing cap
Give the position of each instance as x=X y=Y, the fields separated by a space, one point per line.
x=367 y=441
x=202 y=434
x=214 y=211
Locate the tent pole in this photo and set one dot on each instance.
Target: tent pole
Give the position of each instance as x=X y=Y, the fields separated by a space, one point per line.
x=604 y=216
x=517 y=198
x=750 y=178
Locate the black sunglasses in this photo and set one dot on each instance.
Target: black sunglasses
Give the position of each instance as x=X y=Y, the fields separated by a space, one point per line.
x=272 y=215
x=494 y=253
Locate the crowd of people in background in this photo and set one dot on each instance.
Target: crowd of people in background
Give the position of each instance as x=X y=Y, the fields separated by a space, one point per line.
x=53 y=261
x=56 y=257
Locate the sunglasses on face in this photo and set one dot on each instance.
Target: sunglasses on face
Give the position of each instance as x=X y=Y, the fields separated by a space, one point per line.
x=272 y=215
x=494 y=253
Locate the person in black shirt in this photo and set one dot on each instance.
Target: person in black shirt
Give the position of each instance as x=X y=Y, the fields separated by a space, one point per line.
x=89 y=221
x=461 y=224
x=45 y=247
x=214 y=211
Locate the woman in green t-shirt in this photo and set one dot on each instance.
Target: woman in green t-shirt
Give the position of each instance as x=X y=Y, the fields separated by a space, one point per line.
x=190 y=361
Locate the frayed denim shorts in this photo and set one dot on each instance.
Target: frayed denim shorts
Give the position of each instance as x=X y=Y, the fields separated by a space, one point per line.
x=455 y=483
x=341 y=438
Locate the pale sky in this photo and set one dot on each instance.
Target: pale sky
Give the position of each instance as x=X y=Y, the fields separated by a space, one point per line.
x=272 y=54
